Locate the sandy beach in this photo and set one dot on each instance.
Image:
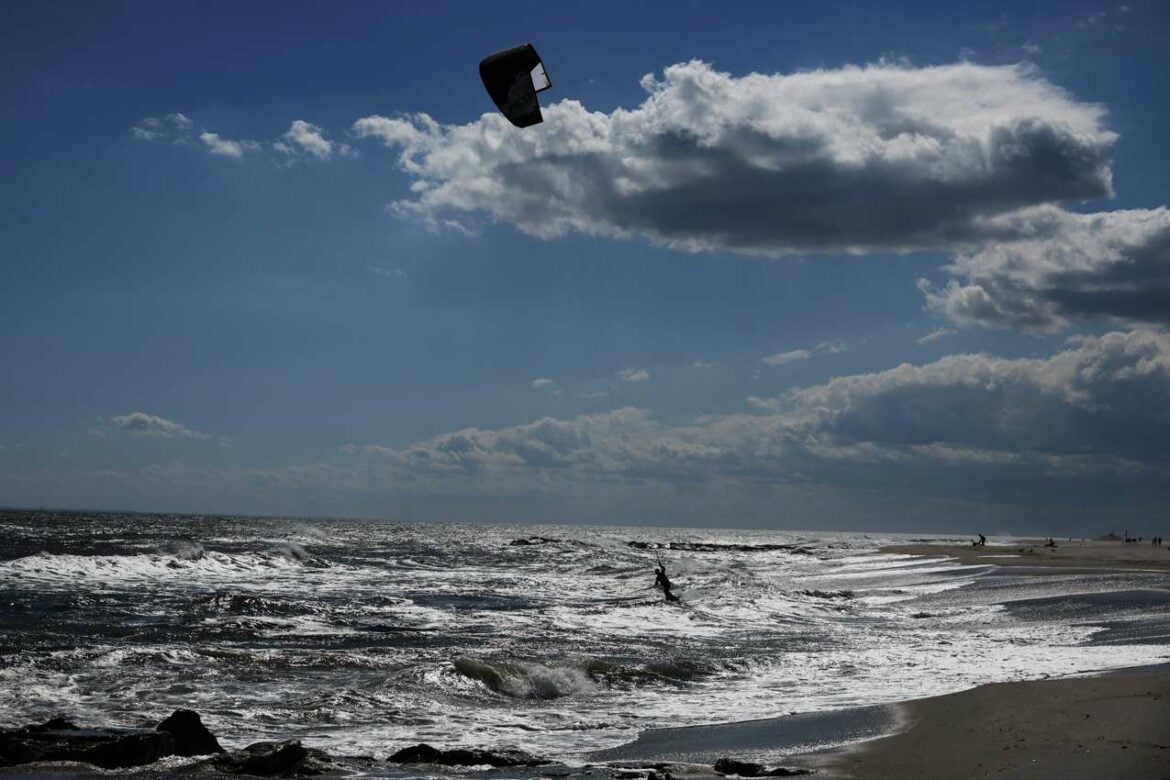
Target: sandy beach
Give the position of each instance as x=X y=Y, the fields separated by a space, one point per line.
x=1115 y=725
x=1078 y=554
x=1110 y=726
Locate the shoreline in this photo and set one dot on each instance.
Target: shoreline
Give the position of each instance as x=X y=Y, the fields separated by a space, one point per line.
x=1078 y=554
x=777 y=740
x=1111 y=723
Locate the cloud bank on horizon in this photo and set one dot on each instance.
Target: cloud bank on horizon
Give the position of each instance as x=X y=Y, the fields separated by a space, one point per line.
x=1091 y=415
x=1073 y=409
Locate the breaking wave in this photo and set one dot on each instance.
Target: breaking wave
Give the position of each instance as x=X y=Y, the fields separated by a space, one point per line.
x=185 y=562
x=524 y=680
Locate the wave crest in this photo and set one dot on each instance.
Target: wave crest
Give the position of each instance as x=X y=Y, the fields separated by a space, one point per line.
x=524 y=680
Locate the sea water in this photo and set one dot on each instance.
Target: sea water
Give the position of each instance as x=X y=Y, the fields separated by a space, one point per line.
x=363 y=637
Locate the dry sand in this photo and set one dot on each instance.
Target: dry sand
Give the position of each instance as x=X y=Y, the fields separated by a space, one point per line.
x=1076 y=554
x=1116 y=726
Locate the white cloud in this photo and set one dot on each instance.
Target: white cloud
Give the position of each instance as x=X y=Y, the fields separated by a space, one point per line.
x=634 y=375
x=225 y=147
x=702 y=365
x=852 y=159
x=833 y=347
x=175 y=128
x=784 y=358
x=935 y=335
x=1113 y=266
x=303 y=139
x=795 y=355
x=306 y=138
x=142 y=424
x=542 y=383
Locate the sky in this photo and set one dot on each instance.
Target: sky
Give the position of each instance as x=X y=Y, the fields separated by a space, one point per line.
x=856 y=266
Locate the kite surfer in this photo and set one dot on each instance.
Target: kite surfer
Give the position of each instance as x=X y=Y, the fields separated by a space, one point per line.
x=661 y=580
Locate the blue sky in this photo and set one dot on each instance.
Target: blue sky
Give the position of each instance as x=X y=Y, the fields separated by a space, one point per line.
x=207 y=307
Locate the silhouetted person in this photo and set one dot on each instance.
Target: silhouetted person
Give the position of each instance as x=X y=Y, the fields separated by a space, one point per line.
x=982 y=540
x=660 y=579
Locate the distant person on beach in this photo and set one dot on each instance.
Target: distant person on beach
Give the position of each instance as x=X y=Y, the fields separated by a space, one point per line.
x=661 y=580
x=982 y=541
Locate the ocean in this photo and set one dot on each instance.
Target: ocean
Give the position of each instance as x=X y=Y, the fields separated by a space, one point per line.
x=364 y=637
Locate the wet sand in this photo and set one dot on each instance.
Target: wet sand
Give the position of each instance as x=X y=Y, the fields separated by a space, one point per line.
x=766 y=741
x=1087 y=554
x=1111 y=726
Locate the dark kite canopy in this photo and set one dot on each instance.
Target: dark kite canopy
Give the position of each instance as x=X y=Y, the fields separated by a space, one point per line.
x=512 y=78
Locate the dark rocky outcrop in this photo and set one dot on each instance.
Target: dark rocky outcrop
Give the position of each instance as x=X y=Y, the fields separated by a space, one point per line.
x=60 y=740
x=191 y=737
x=637 y=771
x=534 y=540
x=272 y=759
x=426 y=754
x=729 y=766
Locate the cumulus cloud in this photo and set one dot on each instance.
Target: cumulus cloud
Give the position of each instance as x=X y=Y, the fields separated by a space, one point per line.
x=175 y=128
x=225 y=147
x=142 y=424
x=1112 y=266
x=542 y=382
x=634 y=375
x=1095 y=397
x=853 y=159
x=303 y=139
x=306 y=138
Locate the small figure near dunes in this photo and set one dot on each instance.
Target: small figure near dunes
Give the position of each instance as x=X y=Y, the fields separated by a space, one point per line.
x=1050 y=543
x=661 y=580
